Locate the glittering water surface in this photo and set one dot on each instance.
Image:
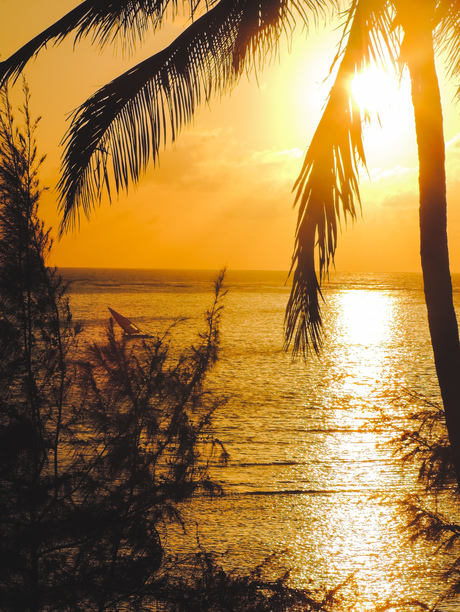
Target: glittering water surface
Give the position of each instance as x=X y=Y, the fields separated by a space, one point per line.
x=312 y=475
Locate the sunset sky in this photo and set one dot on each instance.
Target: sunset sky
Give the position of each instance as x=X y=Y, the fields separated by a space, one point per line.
x=223 y=192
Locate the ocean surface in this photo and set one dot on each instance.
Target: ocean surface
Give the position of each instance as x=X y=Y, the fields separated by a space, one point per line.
x=312 y=476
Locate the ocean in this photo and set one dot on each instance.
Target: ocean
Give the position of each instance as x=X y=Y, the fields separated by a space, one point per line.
x=312 y=477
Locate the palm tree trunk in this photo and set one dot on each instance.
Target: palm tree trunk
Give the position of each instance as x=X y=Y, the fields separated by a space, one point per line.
x=433 y=233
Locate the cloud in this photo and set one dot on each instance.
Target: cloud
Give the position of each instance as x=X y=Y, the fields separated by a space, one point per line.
x=273 y=156
x=390 y=188
x=454 y=143
x=404 y=200
x=379 y=174
x=216 y=162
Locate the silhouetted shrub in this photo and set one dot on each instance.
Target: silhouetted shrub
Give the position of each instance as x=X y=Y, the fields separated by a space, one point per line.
x=36 y=342
x=199 y=583
x=432 y=514
x=95 y=453
x=146 y=444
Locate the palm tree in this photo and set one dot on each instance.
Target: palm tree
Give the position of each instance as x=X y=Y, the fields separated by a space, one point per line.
x=329 y=176
x=118 y=130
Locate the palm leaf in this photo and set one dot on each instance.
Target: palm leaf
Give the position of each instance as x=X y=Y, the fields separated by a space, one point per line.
x=12 y=67
x=327 y=186
x=115 y=133
x=123 y=19
x=447 y=37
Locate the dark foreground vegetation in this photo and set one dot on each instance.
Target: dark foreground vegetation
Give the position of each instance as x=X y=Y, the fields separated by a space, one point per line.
x=432 y=514
x=100 y=444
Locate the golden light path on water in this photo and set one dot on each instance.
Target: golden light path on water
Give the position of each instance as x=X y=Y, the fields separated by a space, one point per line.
x=365 y=324
x=356 y=533
x=359 y=532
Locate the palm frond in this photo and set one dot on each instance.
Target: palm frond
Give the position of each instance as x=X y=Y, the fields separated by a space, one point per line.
x=263 y=21
x=448 y=36
x=327 y=186
x=129 y=20
x=12 y=67
x=107 y=21
x=115 y=133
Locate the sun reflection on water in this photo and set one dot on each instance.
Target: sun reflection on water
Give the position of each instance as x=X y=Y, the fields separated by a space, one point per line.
x=356 y=530
x=365 y=317
x=313 y=477
x=362 y=338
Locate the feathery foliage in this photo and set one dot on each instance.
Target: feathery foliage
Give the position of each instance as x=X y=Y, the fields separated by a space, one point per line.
x=106 y=22
x=201 y=583
x=327 y=186
x=146 y=444
x=432 y=514
x=96 y=449
x=123 y=126
x=37 y=340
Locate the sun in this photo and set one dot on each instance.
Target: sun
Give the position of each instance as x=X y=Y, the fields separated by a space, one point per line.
x=385 y=99
x=375 y=90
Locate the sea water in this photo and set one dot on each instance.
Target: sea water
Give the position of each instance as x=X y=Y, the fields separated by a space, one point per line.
x=312 y=476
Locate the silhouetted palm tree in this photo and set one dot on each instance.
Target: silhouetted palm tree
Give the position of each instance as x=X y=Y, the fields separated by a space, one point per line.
x=121 y=127
x=406 y=32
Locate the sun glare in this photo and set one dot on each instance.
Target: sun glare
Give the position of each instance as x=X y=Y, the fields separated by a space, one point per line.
x=386 y=100
x=375 y=90
x=365 y=327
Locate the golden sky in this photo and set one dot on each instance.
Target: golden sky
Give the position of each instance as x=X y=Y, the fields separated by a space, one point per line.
x=222 y=194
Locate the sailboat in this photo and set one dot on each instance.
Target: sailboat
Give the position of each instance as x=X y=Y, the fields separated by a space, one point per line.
x=131 y=330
